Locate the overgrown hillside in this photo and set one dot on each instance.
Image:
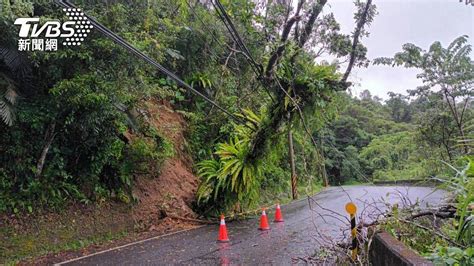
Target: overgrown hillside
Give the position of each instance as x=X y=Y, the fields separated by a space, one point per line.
x=161 y=201
x=73 y=129
x=375 y=140
x=251 y=115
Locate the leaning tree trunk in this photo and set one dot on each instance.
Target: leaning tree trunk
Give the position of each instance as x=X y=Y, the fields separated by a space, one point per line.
x=278 y=111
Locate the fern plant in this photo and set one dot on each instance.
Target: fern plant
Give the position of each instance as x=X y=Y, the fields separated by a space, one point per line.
x=231 y=178
x=8 y=97
x=466 y=201
x=211 y=184
x=14 y=71
x=462 y=184
x=241 y=174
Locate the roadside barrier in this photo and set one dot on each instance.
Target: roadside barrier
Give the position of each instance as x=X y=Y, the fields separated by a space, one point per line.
x=278 y=216
x=222 y=231
x=352 y=209
x=264 y=221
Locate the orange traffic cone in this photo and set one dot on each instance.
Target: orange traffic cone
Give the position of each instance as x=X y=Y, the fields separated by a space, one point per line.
x=223 y=231
x=278 y=216
x=264 y=221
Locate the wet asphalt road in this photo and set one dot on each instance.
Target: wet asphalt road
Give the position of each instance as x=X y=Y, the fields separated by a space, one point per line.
x=309 y=224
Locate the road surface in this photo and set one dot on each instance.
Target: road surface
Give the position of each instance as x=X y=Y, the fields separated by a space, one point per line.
x=309 y=224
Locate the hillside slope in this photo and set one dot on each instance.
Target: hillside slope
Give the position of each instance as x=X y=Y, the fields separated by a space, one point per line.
x=164 y=191
x=172 y=190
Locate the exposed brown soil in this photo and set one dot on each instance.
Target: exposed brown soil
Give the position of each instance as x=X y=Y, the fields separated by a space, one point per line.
x=172 y=190
x=162 y=196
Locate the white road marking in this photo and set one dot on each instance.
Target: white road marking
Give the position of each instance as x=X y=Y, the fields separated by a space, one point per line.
x=124 y=246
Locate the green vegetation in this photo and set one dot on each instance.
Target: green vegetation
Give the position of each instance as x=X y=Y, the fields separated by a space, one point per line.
x=64 y=230
x=74 y=129
x=231 y=177
x=66 y=138
x=445 y=116
x=448 y=241
x=73 y=124
x=368 y=141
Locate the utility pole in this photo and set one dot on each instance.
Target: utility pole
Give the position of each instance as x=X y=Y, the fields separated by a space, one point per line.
x=291 y=152
x=323 y=164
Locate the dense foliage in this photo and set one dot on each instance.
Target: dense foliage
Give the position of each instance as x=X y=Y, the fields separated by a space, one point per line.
x=448 y=240
x=73 y=126
x=65 y=138
x=444 y=112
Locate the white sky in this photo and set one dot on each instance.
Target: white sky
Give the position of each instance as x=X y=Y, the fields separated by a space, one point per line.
x=420 y=22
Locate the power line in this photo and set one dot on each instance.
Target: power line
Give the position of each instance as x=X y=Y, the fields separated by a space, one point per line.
x=224 y=46
x=257 y=68
x=235 y=34
x=228 y=47
x=204 y=24
x=300 y=113
x=216 y=39
x=120 y=41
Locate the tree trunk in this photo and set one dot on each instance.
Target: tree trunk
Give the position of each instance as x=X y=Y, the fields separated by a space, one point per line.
x=48 y=140
x=457 y=118
x=358 y=30
x=291 y=152
x=323 y=164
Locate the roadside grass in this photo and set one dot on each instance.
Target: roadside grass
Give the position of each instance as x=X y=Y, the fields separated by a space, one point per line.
x=445 y=240
x=418 y=239
x=26 y=247
x=30 y=237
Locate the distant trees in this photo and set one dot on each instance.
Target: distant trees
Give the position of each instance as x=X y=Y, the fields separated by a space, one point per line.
x=398 y=139
x=448 y=73
x=365 y=95
x=399 y=107
x=359 y=122
x=399 y=156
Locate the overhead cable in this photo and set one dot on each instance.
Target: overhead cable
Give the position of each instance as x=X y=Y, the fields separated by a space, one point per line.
x=120 y=41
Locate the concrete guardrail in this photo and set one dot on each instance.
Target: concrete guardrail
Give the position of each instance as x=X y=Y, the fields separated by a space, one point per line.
x=385 y=250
